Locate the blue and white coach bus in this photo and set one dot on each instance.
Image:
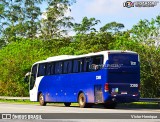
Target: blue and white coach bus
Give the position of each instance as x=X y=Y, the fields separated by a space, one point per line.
x=106 y=77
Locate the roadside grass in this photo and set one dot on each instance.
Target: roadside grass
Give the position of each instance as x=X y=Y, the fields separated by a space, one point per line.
x=18 y=101
x=30 y=102
x=150 y=105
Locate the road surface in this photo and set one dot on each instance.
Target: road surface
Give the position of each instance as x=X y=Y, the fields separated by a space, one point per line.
x=56 y=111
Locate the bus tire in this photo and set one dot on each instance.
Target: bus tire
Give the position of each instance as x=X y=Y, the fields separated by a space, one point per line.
x=82 y=100
x=41 y=100
x=67 y=104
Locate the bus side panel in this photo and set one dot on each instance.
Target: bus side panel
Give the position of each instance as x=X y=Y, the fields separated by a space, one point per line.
x=86 y=83
x=66 y=87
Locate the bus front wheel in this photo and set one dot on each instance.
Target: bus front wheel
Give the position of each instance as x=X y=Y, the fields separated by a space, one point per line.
x=41 y=100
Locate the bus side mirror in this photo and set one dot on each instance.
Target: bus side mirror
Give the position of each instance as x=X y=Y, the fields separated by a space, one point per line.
x=26 y=78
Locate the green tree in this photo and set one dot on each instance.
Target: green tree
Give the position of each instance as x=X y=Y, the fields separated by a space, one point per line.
x=147 y=31
x=10 y=15
x=113 y=27
x=1 y=8
x=1 y=11
x=20 y=19
x=17 y=58
x=2 y=42
x=55 y=23
x=87 y=25
x=85 y=43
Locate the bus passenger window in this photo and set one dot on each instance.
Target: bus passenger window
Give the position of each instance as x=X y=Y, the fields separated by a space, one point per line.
x=42 y=70
x=67 y=67
x=97 y=63
x=70 y=67
x=48 y=69
x=87 y=64
x=58 y=67
x=52 y=69
x=77 y=66
x=97 y=60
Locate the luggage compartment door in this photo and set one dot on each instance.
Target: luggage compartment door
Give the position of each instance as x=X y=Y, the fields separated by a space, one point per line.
x=98 y=94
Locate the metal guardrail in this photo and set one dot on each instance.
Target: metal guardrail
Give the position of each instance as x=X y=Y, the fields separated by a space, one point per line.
x=157 y=100
x=14 y=98
x=149 y=100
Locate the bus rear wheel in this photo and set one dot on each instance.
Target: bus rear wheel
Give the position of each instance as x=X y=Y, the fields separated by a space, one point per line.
x=82 y=101
x=67 y=104
x=41 y=100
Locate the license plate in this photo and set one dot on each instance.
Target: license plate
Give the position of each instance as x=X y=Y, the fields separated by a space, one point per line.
x=123 y=92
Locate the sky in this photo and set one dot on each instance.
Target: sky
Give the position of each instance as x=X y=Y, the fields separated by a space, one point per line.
x=112 y=10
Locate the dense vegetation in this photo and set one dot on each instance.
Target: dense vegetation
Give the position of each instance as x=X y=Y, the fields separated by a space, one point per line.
x=26 y=38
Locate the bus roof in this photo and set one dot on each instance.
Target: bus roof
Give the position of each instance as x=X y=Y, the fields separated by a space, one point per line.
x=65 y=57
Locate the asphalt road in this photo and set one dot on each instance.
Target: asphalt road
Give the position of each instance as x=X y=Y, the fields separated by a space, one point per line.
x=55 y=111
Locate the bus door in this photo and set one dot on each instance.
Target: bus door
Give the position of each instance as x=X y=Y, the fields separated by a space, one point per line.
x=32 y=86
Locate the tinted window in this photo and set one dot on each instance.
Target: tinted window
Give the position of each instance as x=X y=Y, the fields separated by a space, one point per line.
x=50 y=69
x=87 y=64
x=33 y=76
x=78 y=64
x=58 y=67
x=67 y=68
x=42 y=70
x=96 y=63
x=34 y=70
x=98 y=60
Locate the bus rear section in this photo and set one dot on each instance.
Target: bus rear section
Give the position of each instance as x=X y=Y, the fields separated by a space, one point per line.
x=123 y=77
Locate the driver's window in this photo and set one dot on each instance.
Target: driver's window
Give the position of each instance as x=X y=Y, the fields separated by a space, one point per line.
x=33 y=76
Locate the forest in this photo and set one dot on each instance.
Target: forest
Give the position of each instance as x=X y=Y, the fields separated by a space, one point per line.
x=26 y=37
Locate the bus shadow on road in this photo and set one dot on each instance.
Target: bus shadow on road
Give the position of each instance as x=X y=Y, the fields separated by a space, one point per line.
x=138 y=106
x=119 y=106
